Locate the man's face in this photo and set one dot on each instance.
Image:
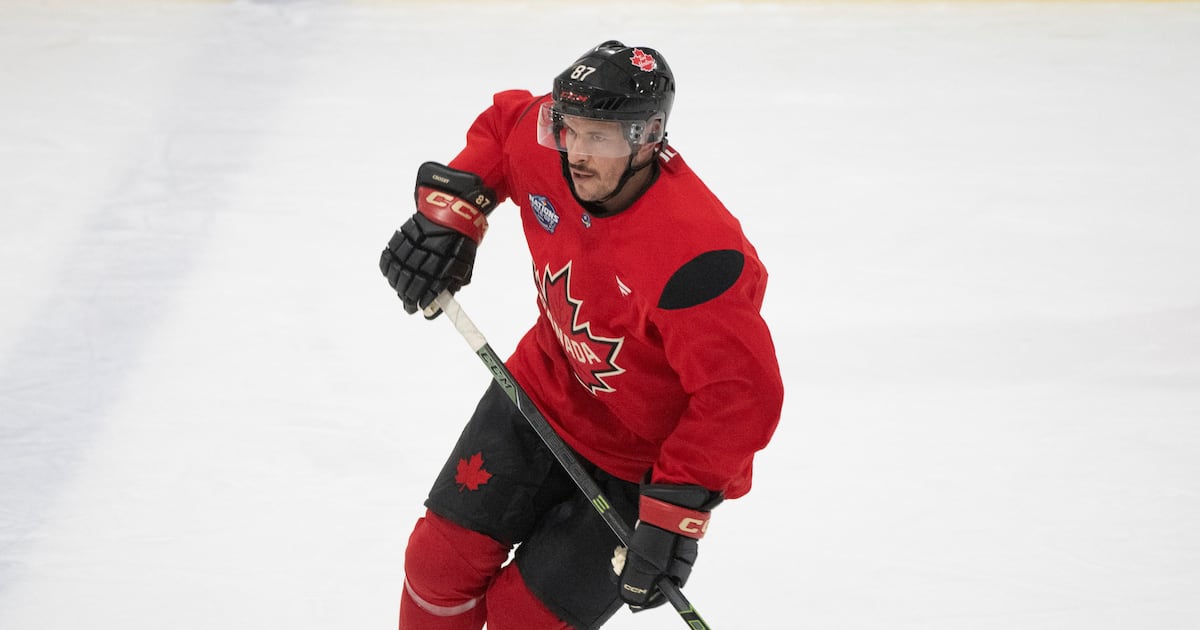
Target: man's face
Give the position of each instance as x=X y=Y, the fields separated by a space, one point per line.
x=597 y=154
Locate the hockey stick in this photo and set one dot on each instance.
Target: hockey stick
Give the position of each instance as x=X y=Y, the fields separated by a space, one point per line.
x=562 y=452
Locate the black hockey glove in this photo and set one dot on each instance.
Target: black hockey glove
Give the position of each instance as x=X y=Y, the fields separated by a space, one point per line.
x=434 y=251
x=671 y=521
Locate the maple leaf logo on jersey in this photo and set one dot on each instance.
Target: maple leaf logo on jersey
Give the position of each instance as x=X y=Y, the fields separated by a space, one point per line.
x=470 y=474
x=593 y=358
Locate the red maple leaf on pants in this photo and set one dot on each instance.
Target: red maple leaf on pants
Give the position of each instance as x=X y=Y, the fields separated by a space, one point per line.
x=471 y=474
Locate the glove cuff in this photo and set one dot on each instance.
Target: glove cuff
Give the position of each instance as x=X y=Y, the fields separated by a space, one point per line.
x=455 y=199
x=453 y=212
x=673 y=518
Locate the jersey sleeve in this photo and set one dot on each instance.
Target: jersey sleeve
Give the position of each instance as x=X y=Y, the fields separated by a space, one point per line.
x=484 y=152
x=716 y=340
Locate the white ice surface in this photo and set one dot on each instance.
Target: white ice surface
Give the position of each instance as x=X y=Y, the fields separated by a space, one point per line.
x=982 y=222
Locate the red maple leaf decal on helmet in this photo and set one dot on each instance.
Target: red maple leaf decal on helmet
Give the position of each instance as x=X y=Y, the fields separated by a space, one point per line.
x=470 y=474
x=644 y=62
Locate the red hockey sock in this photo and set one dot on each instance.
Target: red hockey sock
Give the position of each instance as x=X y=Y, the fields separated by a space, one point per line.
x=511 y=606
x=448 y=569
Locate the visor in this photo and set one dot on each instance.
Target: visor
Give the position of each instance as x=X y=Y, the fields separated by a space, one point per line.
x=593 y=136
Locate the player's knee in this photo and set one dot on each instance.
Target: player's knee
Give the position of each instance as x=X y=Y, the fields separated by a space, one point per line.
x=447 y=565
x=512 y=606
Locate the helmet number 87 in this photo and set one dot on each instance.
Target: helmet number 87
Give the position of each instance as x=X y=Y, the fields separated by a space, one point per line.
x=581 y=72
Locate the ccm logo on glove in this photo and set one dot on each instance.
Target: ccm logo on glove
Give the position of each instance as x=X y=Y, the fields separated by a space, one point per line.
x=454 y=212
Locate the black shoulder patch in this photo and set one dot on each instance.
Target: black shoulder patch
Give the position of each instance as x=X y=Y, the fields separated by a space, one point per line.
x=703 y=278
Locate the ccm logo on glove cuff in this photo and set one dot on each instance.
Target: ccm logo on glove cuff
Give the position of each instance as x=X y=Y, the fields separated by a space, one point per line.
x=452 y=212
x=673 y=518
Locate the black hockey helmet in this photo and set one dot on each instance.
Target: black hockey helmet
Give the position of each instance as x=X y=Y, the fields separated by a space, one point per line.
x=612 y=82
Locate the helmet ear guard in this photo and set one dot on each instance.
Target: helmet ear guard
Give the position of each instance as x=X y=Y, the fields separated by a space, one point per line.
x=651 y=131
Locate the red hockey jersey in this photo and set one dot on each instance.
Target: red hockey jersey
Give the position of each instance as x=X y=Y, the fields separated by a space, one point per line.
x=649 y=353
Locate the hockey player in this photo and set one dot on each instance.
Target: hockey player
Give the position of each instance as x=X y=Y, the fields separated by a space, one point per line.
x=649 y=356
